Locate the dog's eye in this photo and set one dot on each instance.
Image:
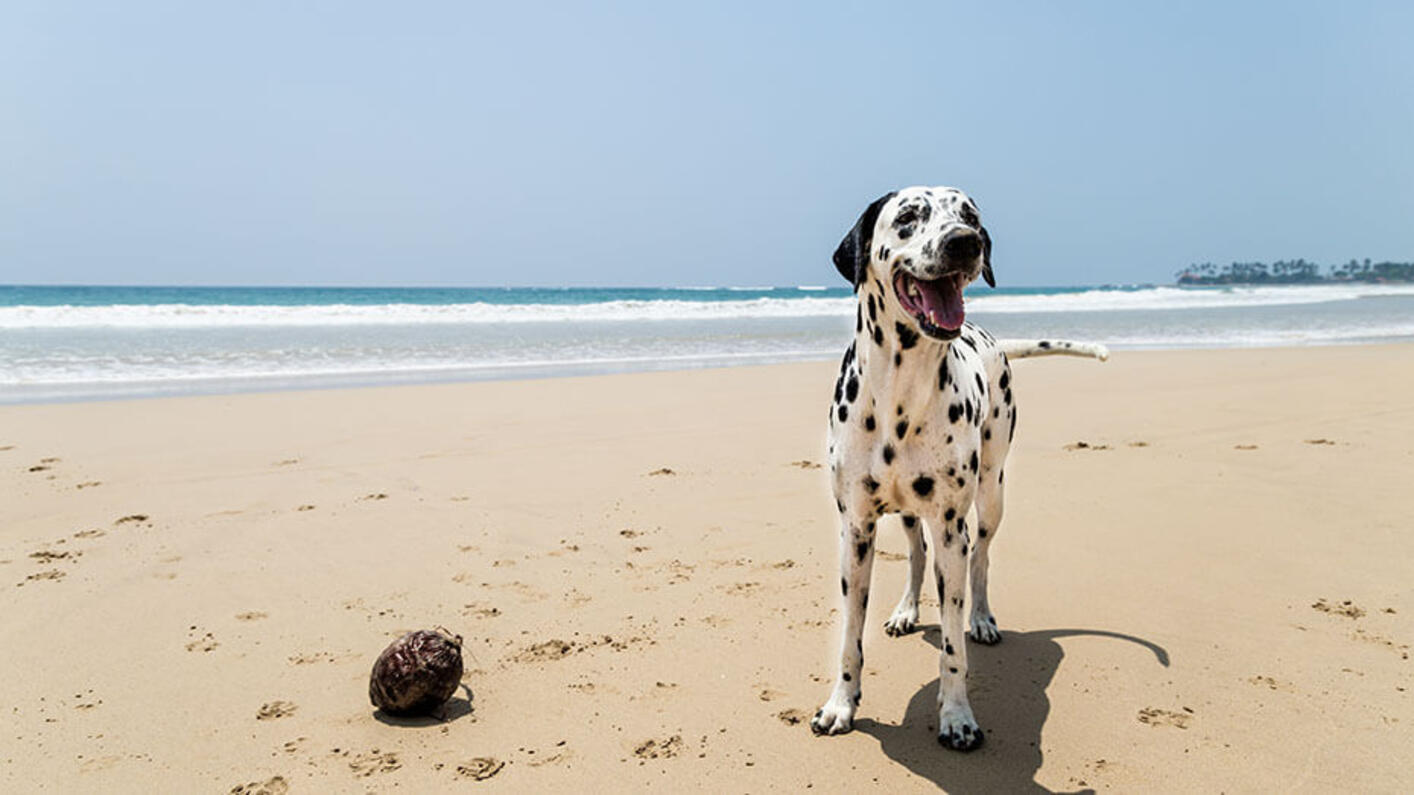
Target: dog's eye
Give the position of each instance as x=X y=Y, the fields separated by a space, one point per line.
x=907 y=215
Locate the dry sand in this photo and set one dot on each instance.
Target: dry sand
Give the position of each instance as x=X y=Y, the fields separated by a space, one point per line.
x=1215 y=593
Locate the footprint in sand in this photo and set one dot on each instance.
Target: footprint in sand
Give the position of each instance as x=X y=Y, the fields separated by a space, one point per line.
x=305 y=508
x=50 y=574
x=374 y=496
x=666 y=748
x=374 y=762
x=93 y=533
x=661 y=471
x=1347 y=608
x=1153 y=716
x=1085 y=446
x=477 y=611
x=251 y=615
x=49 y=555
x=275 y=709
x=480 y=768
x=275 y=785
x=805 y=464
x=792 y=717
x=136 y=518
x=204 y=642
x=1271 y=683
x=88 y=484
x=1244 y=447
x=1319 y=441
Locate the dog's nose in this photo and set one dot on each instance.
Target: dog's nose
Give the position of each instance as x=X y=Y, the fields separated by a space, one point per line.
x=961 y=245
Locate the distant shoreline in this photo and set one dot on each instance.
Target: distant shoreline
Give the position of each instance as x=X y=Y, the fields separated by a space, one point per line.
x=1295 y=272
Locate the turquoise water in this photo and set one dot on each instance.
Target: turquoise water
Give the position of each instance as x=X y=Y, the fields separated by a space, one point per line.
x=81 y=342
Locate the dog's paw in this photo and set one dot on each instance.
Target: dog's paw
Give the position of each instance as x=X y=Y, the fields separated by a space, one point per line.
x=958 y=730
x=984 y=630
x=903 y=621
x=836 y=717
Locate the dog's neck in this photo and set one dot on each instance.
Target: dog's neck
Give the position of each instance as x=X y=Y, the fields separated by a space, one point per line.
x=904 y=368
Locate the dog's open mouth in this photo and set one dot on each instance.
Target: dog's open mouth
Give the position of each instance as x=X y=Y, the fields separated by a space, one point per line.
x=936 y=304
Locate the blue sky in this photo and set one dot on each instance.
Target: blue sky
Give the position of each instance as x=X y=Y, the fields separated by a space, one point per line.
x=675 y=144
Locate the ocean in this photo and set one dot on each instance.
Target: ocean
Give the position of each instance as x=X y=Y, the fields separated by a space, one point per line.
x=70 y=343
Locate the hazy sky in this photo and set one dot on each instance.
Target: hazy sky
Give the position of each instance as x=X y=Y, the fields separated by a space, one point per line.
x=674 y=144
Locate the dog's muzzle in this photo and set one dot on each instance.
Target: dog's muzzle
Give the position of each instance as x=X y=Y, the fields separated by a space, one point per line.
x=936 y=304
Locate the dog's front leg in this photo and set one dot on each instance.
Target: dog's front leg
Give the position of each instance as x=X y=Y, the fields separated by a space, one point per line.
x=856 y=563
x=957 y=729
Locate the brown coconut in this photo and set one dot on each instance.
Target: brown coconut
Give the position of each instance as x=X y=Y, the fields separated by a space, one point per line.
x=417 y=673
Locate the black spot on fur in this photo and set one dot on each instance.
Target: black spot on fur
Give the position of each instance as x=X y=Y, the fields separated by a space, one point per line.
x=981 y=532
x=878 y=336
x=907 y=337
x=844 y=587
x=870 y=484
x=901 y=429
x=861 y=549
x=943 y=373
x=888 y=454
x=844 y=412
x=1005 y=379
x=1044 y=345
x=849 y=678
x=1012 y=433
x=949 y=514
x=898 y=358
x=851 y=389
x=947 y=647
x=910 y=521
x=873 y=309
x=954 y=412
x=987 y=434
x=968 y=407
x=978 y=378
x=972 y=464
x=923 y=485
x=869 y=423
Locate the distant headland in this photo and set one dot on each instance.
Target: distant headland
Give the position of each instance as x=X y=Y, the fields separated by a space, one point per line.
x=1295 y=272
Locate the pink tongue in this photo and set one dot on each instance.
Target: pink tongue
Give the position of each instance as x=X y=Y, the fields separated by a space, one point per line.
x=943 y=303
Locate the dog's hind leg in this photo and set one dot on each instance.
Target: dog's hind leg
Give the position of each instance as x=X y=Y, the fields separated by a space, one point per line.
x=856 y=563
x=989 y=518
x=905 y=617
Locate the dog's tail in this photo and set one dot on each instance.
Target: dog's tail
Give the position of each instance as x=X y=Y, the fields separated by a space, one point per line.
x=1022 y=349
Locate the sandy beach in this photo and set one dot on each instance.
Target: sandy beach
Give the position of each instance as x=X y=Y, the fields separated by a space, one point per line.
x=1204 y=580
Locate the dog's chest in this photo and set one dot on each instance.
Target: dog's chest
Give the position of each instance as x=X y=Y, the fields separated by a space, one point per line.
x=917 y=425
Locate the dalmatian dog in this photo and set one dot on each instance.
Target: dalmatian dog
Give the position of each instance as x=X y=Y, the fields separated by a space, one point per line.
x=922 y=419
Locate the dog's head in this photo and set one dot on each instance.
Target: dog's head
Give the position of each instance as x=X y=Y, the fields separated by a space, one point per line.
x=926 y=244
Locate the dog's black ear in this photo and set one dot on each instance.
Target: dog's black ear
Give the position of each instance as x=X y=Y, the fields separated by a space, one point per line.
x=986 y=256
x=852 y=256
